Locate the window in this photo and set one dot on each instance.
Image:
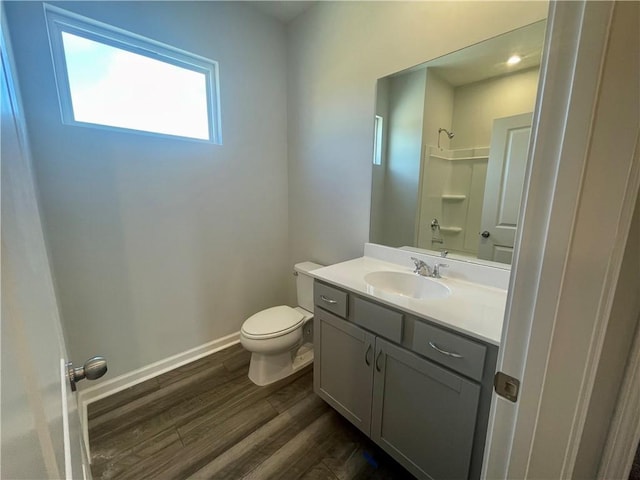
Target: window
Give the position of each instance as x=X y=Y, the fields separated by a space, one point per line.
x=111 y=78
x=377 y=141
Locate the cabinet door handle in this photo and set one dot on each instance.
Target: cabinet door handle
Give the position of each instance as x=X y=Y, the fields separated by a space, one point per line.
x=378 y=361
x=328 y=300
x=444 y=352
x=366 y=356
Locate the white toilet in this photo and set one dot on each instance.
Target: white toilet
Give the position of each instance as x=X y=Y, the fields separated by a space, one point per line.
x=279 y=337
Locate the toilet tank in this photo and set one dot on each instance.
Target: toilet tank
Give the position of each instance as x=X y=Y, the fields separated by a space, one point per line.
x=304 y=284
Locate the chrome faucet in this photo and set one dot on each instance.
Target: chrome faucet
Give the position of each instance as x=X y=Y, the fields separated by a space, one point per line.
x=435 y=271
x=421 y=268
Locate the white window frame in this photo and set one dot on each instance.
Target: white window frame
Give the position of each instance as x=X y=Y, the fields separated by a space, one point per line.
x=59 y=20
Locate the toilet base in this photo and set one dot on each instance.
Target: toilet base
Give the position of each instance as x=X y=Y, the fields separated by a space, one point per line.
x=267 y=369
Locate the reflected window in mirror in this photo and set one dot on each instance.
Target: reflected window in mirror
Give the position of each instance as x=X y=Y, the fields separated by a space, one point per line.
x=377 y=140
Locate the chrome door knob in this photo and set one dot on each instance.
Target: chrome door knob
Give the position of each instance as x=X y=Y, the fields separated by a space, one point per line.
x=485 y=234
x=92 y=369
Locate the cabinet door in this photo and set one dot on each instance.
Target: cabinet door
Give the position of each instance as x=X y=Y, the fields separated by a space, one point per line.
x=423 y=415
x=343 y=372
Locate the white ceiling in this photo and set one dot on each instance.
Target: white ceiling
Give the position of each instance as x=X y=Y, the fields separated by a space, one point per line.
x=472 y=64
x=488 y=59
x=285 y=11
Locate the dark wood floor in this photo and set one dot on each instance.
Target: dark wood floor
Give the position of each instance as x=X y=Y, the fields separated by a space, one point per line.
x=207 y=420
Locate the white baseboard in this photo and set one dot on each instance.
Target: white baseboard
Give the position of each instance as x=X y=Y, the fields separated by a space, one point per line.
x=129 y=379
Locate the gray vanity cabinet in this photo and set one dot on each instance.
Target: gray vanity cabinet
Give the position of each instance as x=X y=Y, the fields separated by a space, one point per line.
x=421 y=392
x=419 y=412
x=422 y=414
x=344 y=377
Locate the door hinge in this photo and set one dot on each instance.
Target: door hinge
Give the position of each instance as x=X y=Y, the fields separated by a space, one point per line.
x=506 y=386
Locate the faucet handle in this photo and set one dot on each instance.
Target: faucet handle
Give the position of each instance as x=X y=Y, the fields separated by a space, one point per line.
x=436 y=269
x=417 y=263
x=421 y=268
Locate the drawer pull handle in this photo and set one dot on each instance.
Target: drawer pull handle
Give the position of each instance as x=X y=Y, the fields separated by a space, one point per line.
x=328 y=300
x=366 y=356
x=444 y=352
x=378 y=361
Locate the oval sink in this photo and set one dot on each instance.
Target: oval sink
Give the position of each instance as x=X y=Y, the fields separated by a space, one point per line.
x=407 y=284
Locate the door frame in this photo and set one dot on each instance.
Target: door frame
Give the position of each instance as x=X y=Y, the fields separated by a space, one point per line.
x=617 y=457
x=549 y=341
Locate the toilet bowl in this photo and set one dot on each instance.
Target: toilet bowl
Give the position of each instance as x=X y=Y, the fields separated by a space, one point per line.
x=279 y=337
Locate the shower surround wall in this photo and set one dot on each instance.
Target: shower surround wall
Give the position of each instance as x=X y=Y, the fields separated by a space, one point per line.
x=452 y=191
x=159 y=245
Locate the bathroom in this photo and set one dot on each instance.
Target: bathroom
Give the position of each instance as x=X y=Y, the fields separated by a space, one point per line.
x=160 y=247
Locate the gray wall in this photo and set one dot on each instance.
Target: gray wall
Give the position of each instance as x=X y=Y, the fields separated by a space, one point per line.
x=623 y=324
x=402 y=169
x=379 y=171
x=160 y=245
x=337 y=50
x=477 y=105
x=438 y=111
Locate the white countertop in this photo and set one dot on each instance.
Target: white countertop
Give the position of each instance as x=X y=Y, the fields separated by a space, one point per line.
x=474 y=309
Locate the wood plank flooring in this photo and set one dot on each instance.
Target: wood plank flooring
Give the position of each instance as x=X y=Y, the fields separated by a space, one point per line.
x=207 y=420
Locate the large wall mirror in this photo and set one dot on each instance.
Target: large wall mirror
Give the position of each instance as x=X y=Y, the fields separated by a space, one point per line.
x=450 y=148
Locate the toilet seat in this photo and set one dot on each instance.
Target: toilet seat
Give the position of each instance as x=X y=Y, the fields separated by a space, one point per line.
x=272 y=322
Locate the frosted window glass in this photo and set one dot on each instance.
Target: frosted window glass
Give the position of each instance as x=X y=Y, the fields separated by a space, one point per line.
x=115 y=87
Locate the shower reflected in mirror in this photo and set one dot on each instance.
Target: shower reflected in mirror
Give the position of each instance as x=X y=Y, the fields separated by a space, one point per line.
x=449 y=134
x=452 y=142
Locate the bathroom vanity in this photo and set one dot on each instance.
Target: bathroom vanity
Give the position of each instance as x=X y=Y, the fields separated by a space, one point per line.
x=414 y=374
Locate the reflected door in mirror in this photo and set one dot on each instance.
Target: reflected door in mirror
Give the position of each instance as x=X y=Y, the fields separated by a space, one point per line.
x=503 y=189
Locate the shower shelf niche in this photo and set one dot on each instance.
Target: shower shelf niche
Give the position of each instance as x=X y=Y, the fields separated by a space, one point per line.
x=453 y=159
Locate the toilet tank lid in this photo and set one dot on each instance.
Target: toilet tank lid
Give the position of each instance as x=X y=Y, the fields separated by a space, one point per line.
x=306 y=267
x=272 y=321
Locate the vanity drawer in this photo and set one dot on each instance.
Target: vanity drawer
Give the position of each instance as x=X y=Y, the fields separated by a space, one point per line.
x=331 y=299
x=378 y=319
x=458 y=353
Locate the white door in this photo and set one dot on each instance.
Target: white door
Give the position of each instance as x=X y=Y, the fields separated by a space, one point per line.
x=582 y=183
x=40 y=431
x=503 y=187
